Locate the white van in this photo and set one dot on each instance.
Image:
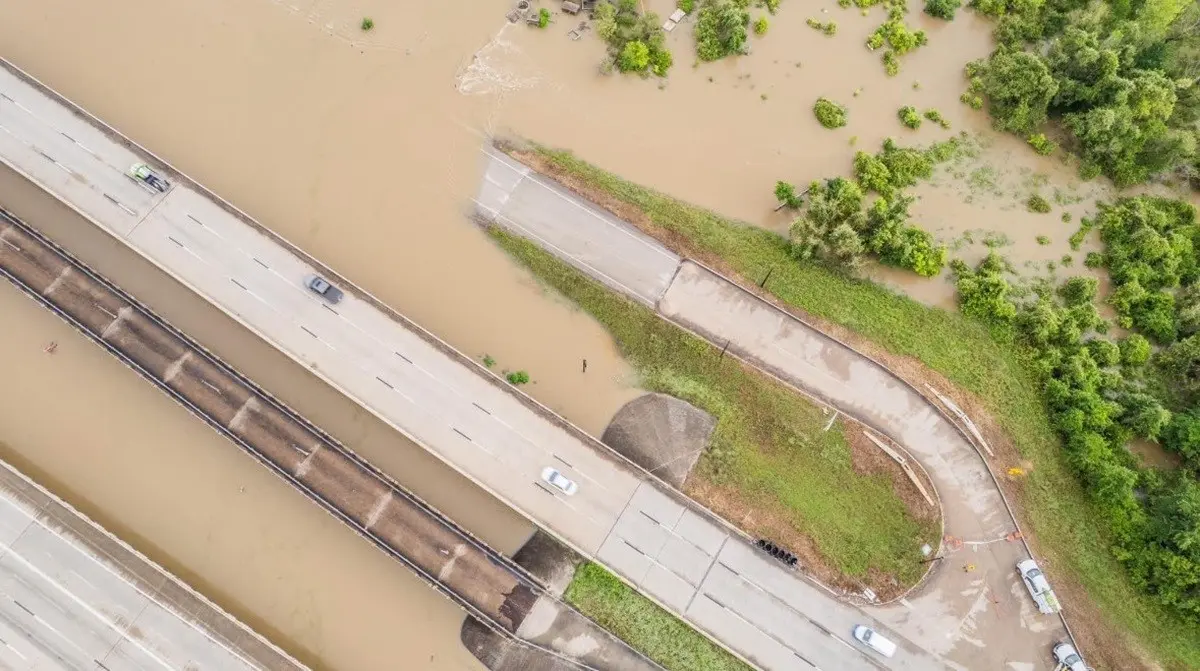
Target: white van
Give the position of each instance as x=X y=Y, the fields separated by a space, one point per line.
x=873 y=640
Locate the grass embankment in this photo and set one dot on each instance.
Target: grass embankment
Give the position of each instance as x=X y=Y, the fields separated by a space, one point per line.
x=770 y=467
x=643 y=625
x=1068 y=533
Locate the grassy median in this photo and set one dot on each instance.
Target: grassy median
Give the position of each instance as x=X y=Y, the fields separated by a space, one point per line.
x=961 y=350
x=771 y=468
x=643 y=625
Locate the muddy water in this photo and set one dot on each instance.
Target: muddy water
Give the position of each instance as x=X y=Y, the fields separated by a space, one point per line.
x=363 y=148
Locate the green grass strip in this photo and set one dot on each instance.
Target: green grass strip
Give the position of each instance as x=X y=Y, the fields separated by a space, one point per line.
x=769 y=449
x=643 y=625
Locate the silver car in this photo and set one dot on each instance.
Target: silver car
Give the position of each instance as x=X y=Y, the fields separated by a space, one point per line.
x=320 y=286
x=1068 y=658
x=559 y=481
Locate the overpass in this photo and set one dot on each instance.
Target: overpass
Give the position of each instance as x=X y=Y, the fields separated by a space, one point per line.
x=658 y=540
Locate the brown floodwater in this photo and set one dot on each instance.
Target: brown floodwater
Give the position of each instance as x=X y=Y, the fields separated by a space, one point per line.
x=363 y=148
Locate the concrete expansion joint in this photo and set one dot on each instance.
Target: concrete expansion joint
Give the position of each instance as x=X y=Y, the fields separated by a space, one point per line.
x=448 y=567
x=378 y=508
x=115 y=324
x=239 y=419
x=62 y=275
x=176 y=366
x=302 y=469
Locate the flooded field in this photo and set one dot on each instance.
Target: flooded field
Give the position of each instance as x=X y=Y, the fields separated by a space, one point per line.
x=363 y=148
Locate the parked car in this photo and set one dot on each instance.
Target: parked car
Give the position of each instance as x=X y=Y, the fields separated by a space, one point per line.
x=1068 y=658
x=874 y=640
x=320 y=286
x=145 y=175
x=559 y=481
x=1039 y=588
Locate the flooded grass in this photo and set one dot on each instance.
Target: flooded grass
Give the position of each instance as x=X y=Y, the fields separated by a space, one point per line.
x=1068 y=534
x=642 y=624
x=771 y=468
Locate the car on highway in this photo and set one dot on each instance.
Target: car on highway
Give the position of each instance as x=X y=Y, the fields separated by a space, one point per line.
x=321 y=287
x=1039 y=588
x=1068 y=659
x=145 y=175
x=874 y=640
x=559 y=481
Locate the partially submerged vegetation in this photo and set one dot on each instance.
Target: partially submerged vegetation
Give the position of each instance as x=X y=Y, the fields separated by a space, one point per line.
x=636 y=42
x=835 y=229
x=721 y=29
x=895 y=34
x=770 y=452
x=1122 y=79
x=830 y=114
x=1006 y=374
x=647 y=628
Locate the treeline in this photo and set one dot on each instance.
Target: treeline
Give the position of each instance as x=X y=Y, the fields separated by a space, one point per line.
x=1121 y=77
x=1102 y=393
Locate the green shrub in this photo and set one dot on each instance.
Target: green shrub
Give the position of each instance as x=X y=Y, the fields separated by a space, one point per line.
x=1018 y=86
x=909 y=117
x=771 y=5
x=1066 y=217
x=1041 y=144
x=786 y=194
x=942 y=9
x=761 y=25
x=689 y=5
x=543 y=17
x=367 y=23
x=721 y=29
x=1043 y=240
x=517 y=377
x=829 y=28
x=891 y=64
x=971 y=100
x=829 y=113
x=1037 y=203
x=936 y=117
x=1135 y=350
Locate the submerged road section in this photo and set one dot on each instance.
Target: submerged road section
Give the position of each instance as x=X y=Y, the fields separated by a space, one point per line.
x=74 y=596
x=666 y=545
x=482 y=581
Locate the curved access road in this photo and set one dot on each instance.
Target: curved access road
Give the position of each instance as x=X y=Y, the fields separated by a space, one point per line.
x=973 y=609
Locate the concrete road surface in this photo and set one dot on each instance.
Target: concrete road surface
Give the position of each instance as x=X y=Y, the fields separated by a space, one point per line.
x=651 y=535
x=981 y=618
x=65 y=606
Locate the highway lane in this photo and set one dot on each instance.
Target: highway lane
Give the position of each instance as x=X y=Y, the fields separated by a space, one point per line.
x=64 y=606
x=656 y=539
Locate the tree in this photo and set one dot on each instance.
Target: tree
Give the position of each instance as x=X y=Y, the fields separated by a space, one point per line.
x=1182 y=436
x=786 y=194
x=1135 y=350
x=942 y=9
x=873 y=174
x=721 y=29
x=1079 y=290
x=635 y=57
x=1143 y=414
x=829 y=114
x=1179 y=366
x=1019 y=87
x=983 y=293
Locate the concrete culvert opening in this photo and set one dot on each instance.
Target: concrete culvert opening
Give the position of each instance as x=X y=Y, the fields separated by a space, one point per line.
x=662 y=434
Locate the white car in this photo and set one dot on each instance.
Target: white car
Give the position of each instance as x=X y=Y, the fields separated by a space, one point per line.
x=1068 y=658
x=559 y=481
x=1039 y=588
x=873 y=640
